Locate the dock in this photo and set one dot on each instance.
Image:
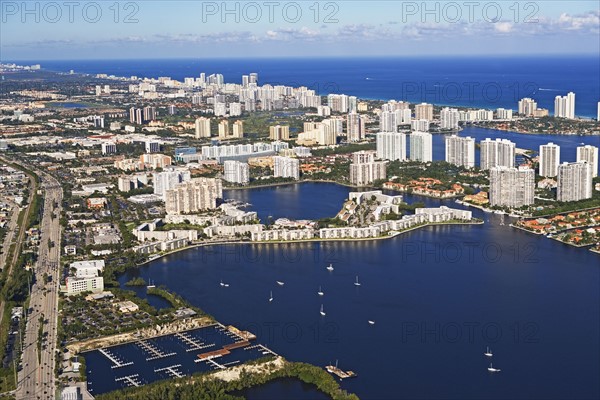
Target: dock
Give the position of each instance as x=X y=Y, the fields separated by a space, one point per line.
x=171 y=370
x=117 y=363
x=155 y=352
x=131 y=380
x=193 y=344
x=264 y=350
x=333 y=369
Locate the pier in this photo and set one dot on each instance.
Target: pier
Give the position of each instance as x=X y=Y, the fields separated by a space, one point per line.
x=117 y=363
x=264 y=350
x=194 y=344
x=155 y=352
x=171 y=370
x=131 y=380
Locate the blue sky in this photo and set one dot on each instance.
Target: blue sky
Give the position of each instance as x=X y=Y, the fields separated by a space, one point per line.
x=162 y=29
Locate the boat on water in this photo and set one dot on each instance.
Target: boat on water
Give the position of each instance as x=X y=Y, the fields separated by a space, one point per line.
x=320 y=292
x=488 y=352
x=371 y=322
x=330 y=267
x=356 y=283
x=271 y=298
x=280 y=283
x=224 y=284
x=150 y=285
x=322 y=312
x=492 y=369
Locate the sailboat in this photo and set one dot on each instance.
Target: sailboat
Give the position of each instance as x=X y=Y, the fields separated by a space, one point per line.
x=150 y=285
x=271 y=298
x=488 y=352
x=320 y=292
x=330 y=267
x=322 y=312
x=280 y=283
x=492 y=369
x=357 y=283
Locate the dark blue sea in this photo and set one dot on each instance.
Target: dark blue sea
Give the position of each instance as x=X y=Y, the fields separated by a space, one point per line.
x=488 y=82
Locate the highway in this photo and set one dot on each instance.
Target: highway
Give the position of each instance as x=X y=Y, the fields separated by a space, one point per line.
x=36 y=378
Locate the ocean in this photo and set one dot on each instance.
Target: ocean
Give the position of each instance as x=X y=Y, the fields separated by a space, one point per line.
x=479 y=82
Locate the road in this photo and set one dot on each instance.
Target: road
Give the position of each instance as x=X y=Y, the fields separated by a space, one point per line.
x=11 y=230
x=36 y=378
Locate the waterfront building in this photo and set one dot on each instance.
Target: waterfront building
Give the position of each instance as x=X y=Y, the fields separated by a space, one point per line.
x=527 y=107
x=502 y=113
x=590 y=154
x=391 y=146
x=511 y=187
x=549 y=160
x=460 y=151
x=574 y=181
x=421 y=144
x=564 y=106
x=286 y=167
x=421 y=125
x=364 y=170
x=449 y=118
x=193 y=196
x=236 y=172
x=496 y=153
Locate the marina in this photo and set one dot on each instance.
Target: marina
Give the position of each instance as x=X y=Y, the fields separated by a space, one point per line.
x=171 y=356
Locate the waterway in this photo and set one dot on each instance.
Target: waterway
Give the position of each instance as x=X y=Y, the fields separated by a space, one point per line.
x=438 y=297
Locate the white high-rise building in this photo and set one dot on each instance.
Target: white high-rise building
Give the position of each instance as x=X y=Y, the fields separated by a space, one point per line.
x=574 y=181
x=194 y=195
x=527 y=107
x=391 y=146
x=589 y=154
x=236 y=172
x=364 y=170
x=503 y=113
x=460 y=151
x=355 y=127
x=424 y=111
x=235 y=109
x=168 y=178
x=598 y=116
x=286 y=167
x=564 y=106
x=420 y=125
x=387 y=121
x=421 y=144
x=220 y=109
x=202 y=127
x=496 y=153
x=511 y=187
x=549 y=160
x=449 y=118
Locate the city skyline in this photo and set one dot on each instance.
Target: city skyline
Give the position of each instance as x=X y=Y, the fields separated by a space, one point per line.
x=336 y=29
